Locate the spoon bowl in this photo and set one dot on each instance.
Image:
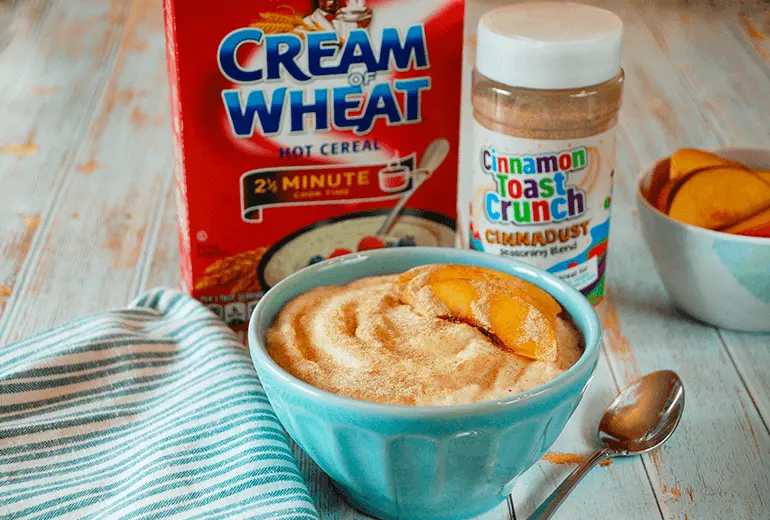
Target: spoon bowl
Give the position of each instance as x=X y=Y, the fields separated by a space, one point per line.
x=641 y=418
x=644 y=415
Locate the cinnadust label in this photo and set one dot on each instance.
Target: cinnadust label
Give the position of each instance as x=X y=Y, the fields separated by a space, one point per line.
x=545 y=202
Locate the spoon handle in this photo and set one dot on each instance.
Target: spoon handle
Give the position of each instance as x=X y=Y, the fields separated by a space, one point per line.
x=388 y=223
x=555 y=499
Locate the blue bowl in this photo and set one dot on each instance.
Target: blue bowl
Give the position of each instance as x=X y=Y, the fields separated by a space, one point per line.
x=418 y=462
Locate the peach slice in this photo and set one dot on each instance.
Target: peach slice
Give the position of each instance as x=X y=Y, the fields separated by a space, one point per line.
x=756 y=226
x=687 y=161
x=458 y=296
x=719 y=197
x=658 y=178
x=523 y=329
x=664 y=196
x=440 y=272
x=525 y=289
x=764 y=175
x=495 y=303
x=517 y=324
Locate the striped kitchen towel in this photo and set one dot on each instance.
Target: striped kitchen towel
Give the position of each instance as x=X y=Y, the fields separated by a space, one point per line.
x=148 y=412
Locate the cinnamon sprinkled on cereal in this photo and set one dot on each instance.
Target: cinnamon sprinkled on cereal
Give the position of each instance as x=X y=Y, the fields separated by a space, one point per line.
x=361 y=340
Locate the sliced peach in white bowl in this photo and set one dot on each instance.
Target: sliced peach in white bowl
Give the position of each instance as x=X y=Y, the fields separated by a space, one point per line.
x=706 y=190
x=706 y=219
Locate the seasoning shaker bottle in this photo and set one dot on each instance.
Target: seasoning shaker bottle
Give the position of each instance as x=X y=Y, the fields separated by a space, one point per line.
x=546 y=95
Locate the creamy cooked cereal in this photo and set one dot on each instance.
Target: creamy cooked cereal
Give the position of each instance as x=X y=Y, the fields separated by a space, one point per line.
x=360 y=340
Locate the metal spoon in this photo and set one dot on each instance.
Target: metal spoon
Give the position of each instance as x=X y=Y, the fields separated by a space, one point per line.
x=641 y=418
x=432 y=158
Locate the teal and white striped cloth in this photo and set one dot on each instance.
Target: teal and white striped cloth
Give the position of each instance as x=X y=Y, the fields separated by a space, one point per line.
x=148 y=412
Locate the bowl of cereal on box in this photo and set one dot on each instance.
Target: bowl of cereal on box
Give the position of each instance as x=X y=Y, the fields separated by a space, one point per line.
x=706 y=218
x=424 y=380
x=350 y=233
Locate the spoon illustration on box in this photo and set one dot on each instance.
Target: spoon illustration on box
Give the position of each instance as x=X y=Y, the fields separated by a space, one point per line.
x=391 y=177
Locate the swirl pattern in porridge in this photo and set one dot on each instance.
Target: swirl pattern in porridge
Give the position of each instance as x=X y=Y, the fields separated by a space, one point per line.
x=401 y=340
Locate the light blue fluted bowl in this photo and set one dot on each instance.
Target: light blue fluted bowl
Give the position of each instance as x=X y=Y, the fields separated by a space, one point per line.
x=417 y=462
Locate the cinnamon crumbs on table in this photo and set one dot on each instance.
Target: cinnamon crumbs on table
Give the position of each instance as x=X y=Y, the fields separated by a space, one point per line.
x=570 y=458
x=563 y=458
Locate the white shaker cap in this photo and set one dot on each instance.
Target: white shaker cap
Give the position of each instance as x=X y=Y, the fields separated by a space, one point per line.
x=549 y=45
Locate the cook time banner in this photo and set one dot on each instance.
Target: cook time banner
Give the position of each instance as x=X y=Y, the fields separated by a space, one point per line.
x=327 y=184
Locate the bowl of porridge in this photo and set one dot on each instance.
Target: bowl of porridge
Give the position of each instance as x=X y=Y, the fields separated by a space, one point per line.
x=424 y=380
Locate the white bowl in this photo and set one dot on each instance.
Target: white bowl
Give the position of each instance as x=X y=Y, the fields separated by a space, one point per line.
x=718 y=278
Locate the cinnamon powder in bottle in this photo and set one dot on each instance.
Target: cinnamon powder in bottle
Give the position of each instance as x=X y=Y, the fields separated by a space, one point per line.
x=546 y=95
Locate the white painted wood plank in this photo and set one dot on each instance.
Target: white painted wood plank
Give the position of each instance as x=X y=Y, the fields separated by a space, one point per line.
x=751 y=25
x=727 y=84
x=658 y=111
x=94 y=246
x=51 y=74
x=163 y=263
x=751 y=354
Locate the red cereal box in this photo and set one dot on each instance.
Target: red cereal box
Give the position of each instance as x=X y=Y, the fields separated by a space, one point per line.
x=307 y=130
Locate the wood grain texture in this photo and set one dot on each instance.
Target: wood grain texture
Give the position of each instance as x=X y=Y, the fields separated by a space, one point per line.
x=49 y=94
x=85 y=151
x=106 y=207
x=163 y=263
x=751 y=354
x=726 y=83
x=658 y=111
x=751 y=25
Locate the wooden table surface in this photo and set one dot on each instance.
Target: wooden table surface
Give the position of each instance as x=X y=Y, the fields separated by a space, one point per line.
x=87 y=222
